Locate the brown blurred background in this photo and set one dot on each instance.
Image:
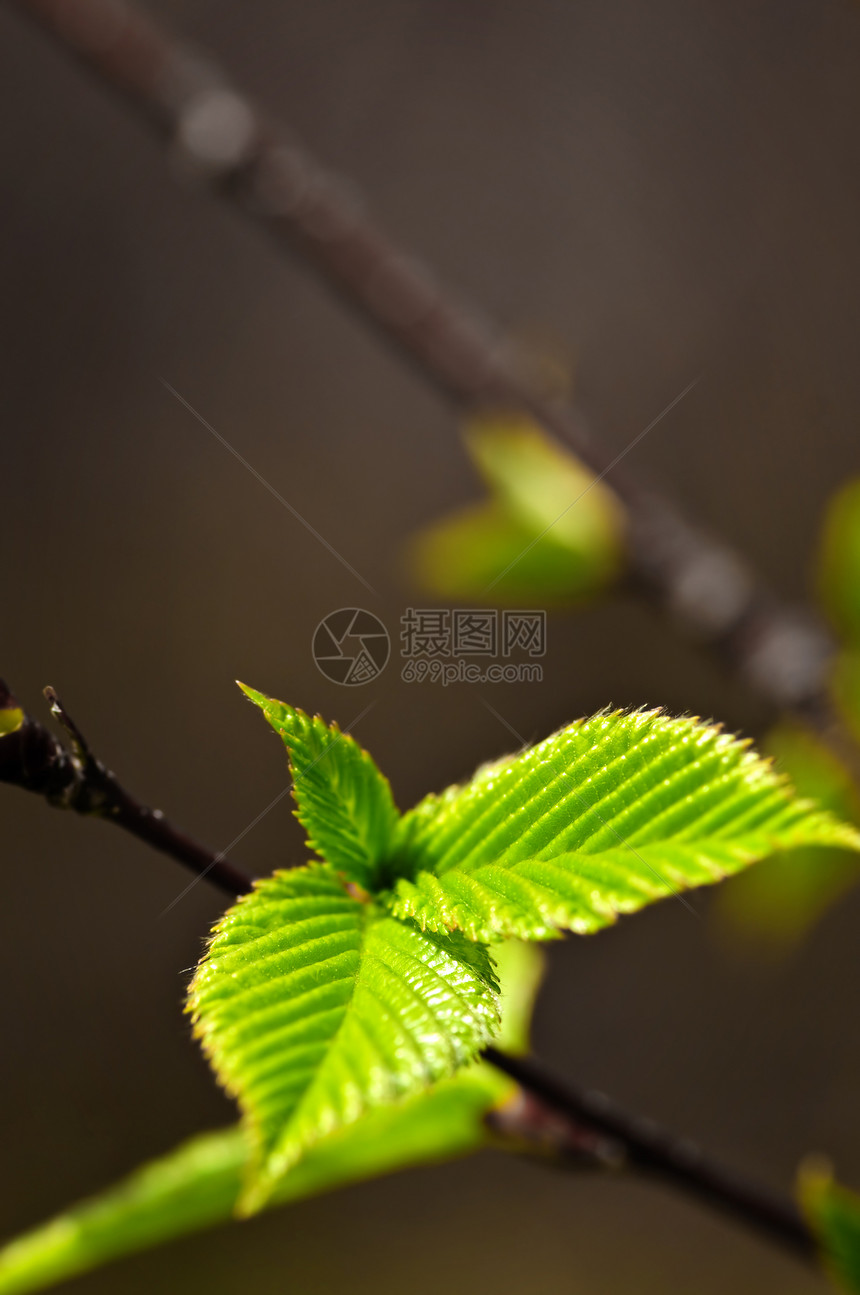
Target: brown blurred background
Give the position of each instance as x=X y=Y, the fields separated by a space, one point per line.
x=661 y=191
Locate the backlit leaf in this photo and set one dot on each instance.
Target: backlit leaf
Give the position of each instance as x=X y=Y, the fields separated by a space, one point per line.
x=315 y=1007
x=834 y=1214
x=198 y=1185
x=779 y=901
x=344 y=802
x=839 y=561
x=549 y=532
x=602 y=818
x=846 y=688
x=484 y=551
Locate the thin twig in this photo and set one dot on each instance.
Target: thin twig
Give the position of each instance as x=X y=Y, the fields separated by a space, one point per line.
x=33 y=758
x=640 y=1144
x=574 y=1126
x=220 y=138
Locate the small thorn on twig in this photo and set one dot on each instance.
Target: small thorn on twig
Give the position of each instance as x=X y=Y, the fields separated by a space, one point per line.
x=62 y=716
x=70 y=776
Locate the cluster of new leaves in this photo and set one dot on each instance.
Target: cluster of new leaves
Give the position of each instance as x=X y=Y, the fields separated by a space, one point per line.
x=362 y=978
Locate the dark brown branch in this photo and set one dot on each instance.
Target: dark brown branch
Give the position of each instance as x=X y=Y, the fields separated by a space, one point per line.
x=33 y=758
x=597 y=1125
x=578 y=1128
x=222 y=139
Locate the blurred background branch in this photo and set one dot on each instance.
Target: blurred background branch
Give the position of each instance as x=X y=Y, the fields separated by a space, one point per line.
x=218 y=136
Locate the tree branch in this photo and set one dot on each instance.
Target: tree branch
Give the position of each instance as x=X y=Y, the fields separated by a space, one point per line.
x=618 y=1139
x=783 y=655
x=222 y=139
x=575 y=1127
x=33 y=758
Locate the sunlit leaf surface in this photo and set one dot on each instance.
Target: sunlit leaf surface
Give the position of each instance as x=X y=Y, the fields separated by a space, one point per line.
x=834 y=1213
x=315 y=1007
x=343 y=801
x=199 y=1184
x=602 y=818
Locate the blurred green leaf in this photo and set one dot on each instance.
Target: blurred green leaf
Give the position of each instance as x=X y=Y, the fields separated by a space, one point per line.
x=549 y=533
x=11 y=719
x=482 y=546
x=198 y=1185
x=846 y=688
x=839 y=562
x=778 y=902
x=520 y=969
x=604 y=817
x=834 y=1215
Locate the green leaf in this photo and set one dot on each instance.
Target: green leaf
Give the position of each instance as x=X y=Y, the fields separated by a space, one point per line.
x=549 y=533
x=198 y=1185
x=542 y=483
x=839 y=561
x=483 y=546
x=11 y=719
x=777 y=903
x=344 y=802
x=846 y=689
x=602 y=818
x=315 y=1007
x=520 y=968
x=834 y=1215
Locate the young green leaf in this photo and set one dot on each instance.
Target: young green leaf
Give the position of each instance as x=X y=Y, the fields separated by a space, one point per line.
x=834 y=1214
x=540 y=480
x=11 y=719
x=839 y=561
x=778 y=902
x=344 y=802
x=315 y=1007
x=484 y=546
x=520 y=969
x=549 y=532
x=846 y=688
x=602 y=818
x=198 y=1185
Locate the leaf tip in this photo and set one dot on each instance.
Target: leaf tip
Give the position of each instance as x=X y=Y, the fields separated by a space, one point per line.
x=258 y=698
